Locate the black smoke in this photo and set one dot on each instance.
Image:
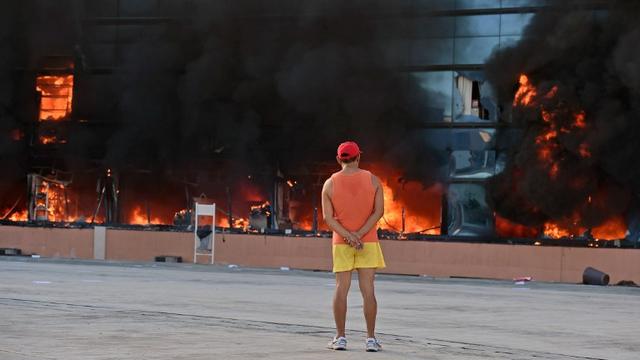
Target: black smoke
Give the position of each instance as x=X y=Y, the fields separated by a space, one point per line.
x=273 y=87
x=591 y=56
x=26 y=35
x=166 y=90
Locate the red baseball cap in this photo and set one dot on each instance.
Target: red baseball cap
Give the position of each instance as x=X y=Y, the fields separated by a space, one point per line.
x=348 y=150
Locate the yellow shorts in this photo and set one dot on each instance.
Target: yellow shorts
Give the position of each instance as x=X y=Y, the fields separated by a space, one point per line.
x=347 y=258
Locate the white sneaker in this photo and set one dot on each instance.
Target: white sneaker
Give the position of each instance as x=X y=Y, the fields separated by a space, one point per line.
x=338 y=343
x=372 y=345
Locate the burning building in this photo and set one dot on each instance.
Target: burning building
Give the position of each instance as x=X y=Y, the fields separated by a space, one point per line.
x=128 y=112
x=571 y=110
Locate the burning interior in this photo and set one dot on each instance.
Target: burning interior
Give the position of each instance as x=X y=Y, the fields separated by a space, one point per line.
x=144 y=114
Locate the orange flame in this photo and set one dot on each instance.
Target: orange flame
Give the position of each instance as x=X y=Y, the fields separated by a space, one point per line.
x=544 y=154
x=547 y=139
x=547 y=116
x=580 y=120
x=525 y=93
x=554 y=231
x=584 y=150
x=139 y=217
x=48 y=139
x=56 y=96
x=21 y=215
x=238 y=223
x=612 y=229
x=426 y=222
x=552 y=93
x=53 y=203
x=506 y=228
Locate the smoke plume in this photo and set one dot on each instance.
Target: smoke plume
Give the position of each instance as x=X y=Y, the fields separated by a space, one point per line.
x=278 y=91
x=582 y=63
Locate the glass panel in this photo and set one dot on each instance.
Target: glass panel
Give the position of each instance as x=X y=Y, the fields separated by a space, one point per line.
x=513 y=24
x=501 y=162
x=506 y=41
x=473 y=139
x=474 y=50
x=432 y=52
x=469 y=213
x=439 y=139
x=428 y=27
x=518 y=3
x=437 y=94
x=473 y=98
x=477 y=4
x=468 y=164
x=480 y=25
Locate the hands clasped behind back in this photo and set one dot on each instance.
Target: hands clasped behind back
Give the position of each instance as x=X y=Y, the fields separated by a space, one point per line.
x=353 y=239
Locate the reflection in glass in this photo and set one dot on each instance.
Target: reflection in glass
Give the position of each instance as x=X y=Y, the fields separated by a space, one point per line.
x=477 y=4
x=468 y=212
x=479 y=25
x=501 y=162
x=474 y=50
x=506 y=41
x=516 y=3
x=437 y=51
x=432 y=27
x=473 y=139
x=437 y=86
x=513 y=24
x=469 y=164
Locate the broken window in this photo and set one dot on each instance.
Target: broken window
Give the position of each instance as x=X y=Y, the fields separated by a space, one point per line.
x=468 y=212
x=56 y=95
x=472 y=154
x=473 y=98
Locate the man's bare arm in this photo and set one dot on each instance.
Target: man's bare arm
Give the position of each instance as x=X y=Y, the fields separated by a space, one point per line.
x=378 y=210
x=327 y=213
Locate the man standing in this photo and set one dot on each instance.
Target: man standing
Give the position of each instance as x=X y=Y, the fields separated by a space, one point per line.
x=352 y=204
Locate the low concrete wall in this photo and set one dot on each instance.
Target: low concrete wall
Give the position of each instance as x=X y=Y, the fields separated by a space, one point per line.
x=49 y=242
x=441 y=259
x=273 y=251
x=473 y=260
x=146 y=245
x=620 y=264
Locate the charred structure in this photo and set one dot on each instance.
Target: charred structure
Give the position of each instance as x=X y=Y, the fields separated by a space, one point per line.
x=123 y=112
x=572 y=145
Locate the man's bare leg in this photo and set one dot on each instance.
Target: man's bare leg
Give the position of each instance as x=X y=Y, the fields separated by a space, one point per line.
x=343 y=282
x=365 y=280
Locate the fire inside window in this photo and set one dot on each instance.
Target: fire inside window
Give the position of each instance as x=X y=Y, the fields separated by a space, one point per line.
x=56 y=95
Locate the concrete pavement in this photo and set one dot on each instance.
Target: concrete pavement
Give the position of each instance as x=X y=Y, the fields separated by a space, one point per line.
x=55 y=309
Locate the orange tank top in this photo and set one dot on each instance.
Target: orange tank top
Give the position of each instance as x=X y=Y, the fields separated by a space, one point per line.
x=353 y=199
